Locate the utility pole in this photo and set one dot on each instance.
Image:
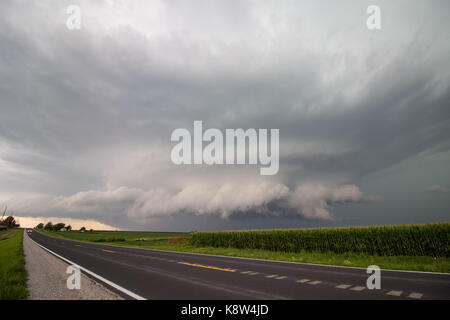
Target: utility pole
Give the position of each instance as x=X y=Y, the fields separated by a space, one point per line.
x=6 y=207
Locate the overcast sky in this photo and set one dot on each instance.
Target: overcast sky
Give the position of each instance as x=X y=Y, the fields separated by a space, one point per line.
x=87 y=115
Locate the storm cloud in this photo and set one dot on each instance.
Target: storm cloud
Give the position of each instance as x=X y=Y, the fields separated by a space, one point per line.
x=437 y=189
x=86 y=115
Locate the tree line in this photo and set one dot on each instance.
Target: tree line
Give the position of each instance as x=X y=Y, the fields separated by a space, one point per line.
x=9 y=222
x=49 y=226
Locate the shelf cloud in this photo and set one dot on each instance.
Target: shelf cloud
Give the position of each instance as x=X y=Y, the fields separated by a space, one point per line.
x=437 y=189
x=311 y=201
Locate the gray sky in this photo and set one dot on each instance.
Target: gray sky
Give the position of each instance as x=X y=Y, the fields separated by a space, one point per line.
x=364 y=116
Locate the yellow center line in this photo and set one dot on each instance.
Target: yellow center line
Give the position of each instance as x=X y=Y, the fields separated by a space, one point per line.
x=77 y=245
x=108 y=251
x=208 y=267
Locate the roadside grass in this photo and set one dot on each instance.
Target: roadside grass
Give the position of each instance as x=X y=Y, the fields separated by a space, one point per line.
x=6 y=233
x=173 y=242
x=13 y=276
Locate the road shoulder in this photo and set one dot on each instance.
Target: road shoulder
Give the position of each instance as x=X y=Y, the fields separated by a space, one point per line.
x=47 y=278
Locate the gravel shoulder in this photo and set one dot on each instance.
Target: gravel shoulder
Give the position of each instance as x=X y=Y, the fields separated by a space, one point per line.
x=47 y=278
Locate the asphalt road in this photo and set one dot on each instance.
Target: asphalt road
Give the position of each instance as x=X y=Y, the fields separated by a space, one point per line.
x=154 y=274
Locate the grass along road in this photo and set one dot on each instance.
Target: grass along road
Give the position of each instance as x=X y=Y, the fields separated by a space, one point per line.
x=180 y=242
x=13 y=276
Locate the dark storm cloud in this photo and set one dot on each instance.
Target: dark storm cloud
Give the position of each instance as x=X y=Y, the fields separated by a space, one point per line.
x=87 y=114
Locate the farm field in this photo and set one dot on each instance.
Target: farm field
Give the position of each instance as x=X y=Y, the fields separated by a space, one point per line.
x=118 y=237
x=408 y=240
x=416 y=248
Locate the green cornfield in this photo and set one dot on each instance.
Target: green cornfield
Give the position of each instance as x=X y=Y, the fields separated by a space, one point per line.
x=405 y=240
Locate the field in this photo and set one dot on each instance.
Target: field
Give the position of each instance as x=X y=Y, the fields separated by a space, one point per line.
x=408 y=240
x=13 y=276
x=208 y=243
x=121 y=238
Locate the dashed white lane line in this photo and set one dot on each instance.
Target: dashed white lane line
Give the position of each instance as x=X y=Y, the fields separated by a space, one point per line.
x=413 y=295
x=343 y=286
x=358 y=288
x=395 y=293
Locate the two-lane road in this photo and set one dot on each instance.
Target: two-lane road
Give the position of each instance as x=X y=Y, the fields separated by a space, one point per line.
x=154 y=274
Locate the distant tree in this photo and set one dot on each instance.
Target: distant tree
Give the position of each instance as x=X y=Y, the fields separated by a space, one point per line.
x=82 y=229
x=91 y=230
x=58 y=226
x=9 y=222
x=48 y=226
x=40 y=226
x=69 y=227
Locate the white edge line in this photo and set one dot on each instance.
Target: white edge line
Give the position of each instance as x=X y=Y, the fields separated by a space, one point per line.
x=112 y=284
x=244 y=258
